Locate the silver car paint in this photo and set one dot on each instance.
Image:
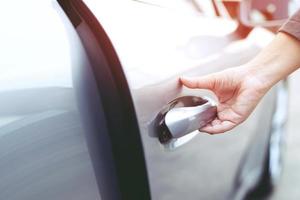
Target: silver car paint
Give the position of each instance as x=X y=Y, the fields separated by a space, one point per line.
x=206 y=167
x=43 y=151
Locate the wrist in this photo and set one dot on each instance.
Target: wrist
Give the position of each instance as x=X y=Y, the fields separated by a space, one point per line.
x=279 y=59
x=259 y=76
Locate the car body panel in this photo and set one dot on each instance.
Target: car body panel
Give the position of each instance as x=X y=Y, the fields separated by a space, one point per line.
x=56 y=141
x=43 y=149
x=207 y=166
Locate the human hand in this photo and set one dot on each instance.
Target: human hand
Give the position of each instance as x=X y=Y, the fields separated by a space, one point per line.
x=238 y=91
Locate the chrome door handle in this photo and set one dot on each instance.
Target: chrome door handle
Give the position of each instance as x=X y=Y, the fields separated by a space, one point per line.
x=182 y=121
x=183 y=118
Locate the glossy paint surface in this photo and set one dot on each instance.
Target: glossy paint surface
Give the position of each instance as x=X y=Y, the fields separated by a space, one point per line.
x=156 y=46
x=43 y=149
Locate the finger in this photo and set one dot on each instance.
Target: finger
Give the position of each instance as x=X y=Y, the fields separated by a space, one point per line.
x=205 y=82
x=217 y=127
x=216 y=122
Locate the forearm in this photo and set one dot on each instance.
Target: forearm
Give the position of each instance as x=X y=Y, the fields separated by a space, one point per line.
x=279 y=59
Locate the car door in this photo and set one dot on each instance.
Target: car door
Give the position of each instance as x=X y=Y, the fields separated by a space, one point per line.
x=71 y=126
x=43 y=146
x=155 y=45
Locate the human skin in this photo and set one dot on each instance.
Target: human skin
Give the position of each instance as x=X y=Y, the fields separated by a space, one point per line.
x=240 y=89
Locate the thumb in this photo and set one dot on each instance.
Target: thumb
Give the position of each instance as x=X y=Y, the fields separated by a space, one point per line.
x=205 y=82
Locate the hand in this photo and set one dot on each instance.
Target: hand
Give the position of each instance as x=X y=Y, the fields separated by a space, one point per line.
x=238 y=91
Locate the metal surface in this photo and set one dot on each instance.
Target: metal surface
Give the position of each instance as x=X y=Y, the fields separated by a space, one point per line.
x=178 y=122
x=266 y=153
x=277 y=140
x=184 y=120
x=289 y=183
x=50 y=111
x=116 y=107
x=191 y=46
x=43 y=149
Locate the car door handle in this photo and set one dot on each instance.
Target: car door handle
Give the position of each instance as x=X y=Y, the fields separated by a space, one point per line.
x=181 y=120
